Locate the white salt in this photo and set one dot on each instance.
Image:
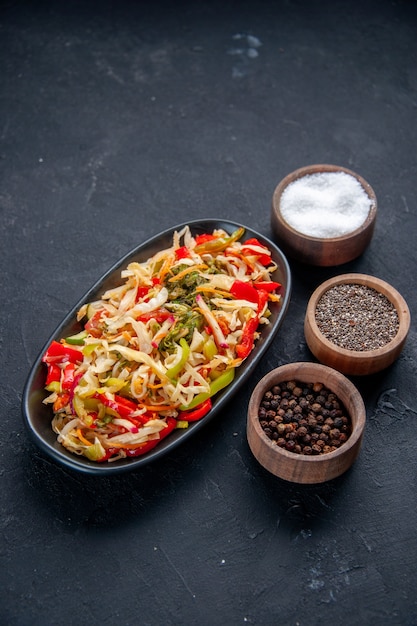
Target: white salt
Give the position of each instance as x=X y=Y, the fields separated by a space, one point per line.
x=324 y=205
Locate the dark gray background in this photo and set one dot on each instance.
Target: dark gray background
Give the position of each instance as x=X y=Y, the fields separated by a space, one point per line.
x=119 y=120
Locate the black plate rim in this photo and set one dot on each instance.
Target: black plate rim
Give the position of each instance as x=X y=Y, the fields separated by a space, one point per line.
x=80 y=464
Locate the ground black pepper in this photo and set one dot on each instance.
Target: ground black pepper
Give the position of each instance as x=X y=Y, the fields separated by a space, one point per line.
x=356 y=317
x=316 y=423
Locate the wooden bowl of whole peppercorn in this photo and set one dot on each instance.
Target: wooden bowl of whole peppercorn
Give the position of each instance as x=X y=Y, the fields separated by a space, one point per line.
x=305 y=422
x=356 y=324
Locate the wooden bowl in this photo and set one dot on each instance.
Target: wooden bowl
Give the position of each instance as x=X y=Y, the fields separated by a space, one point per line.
x=352 y=362
x=321 y=251
x=296 y=467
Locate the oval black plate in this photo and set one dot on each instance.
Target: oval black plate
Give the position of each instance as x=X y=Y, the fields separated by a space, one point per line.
x=38 y=416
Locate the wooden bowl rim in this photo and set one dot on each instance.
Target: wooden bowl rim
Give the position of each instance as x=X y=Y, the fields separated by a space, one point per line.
x=296 y=371
x=379 y=285
x=317 y=169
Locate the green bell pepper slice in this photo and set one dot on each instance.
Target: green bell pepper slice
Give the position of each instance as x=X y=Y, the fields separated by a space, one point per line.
x=218 y=383
x=78 y=339
x=173 y=371
x=219 y=243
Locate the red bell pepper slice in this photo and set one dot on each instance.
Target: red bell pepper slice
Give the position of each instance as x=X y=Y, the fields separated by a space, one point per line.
x=264 y=259
x=142 y=448
x=268 y=286
x=203 y=238
x=61 y=401
x=62 y=353
x=68 y=377
x=196 y=414
x=244 y=291
x=123 y=406
x=160 y=315
x=54 y=374
x=245 y=345
x=262 y=300
x=141 y=293
x=95 y=324
x=144 y=289
x=182 y=253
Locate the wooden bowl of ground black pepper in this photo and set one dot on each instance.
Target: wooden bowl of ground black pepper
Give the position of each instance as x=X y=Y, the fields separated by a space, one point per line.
x=305 y=422
x=323 y=215
x=356 y=323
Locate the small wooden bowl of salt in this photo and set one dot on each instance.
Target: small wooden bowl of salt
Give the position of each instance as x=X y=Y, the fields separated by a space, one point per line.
x=323 y=215
x=356 y=324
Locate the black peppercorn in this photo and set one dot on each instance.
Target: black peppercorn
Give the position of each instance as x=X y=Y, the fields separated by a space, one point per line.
x=303 y=403
x=262 y=412
x=281 y=428
x=304 y=418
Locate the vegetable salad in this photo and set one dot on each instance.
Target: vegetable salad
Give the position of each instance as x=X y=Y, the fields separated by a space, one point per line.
x=155 y=350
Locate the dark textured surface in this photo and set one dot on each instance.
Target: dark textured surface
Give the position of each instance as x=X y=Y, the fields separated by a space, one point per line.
x=119 y=120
